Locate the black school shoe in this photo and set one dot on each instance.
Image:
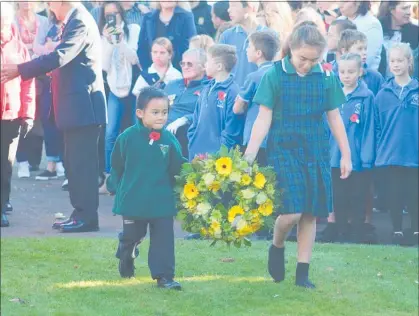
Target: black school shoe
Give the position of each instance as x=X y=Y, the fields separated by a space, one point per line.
x=47 y=175
x=168 y=284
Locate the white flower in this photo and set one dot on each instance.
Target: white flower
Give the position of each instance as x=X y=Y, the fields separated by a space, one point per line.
x=248 y=194
x=208 y=179
x=203 y=208
x=261 y=198
x=241 y=224
x=235 y=176
x=217 y=233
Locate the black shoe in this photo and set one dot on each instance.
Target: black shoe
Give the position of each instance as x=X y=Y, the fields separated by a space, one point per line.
x=126 y=268
x=4 y=220
x=64 y=186
x=192 y=236
x=329 y=234
x=305 y=283
x=398 y=239
x=276 y=263
x=79 y=226
x=46 y=175
x=168 y=284
x=58 y=224
x=8 y=207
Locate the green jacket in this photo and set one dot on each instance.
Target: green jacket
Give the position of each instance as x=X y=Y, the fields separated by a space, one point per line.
x=142 y=175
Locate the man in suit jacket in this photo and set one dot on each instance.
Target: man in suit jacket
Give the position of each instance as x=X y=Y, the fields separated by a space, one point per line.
x=79 y=106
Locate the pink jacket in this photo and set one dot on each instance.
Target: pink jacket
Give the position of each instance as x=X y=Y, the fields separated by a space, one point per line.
x=17 y=97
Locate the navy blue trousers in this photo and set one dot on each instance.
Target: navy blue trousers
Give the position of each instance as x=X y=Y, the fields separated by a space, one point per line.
x=161 y=253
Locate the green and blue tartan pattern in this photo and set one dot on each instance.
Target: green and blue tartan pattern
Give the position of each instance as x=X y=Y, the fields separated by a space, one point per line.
x=298 y=147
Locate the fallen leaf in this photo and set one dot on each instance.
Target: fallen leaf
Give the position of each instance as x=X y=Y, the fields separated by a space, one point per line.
x=379 y=274
x=227 y=260
x=76 y=266
x=276 y=295
x=17 y=300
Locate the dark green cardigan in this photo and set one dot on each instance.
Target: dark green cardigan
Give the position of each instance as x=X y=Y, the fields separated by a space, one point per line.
x=142 y=175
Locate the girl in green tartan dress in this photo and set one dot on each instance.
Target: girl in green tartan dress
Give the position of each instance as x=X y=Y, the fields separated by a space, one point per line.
x=294 y=94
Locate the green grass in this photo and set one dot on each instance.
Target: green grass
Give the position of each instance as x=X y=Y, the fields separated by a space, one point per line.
x=57 y=276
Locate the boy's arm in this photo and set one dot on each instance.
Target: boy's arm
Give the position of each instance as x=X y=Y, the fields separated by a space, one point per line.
x=233 y=130
x=246 y=94
x=368 y=134
x=194 y=120
x=117 y=167
x=176 y=158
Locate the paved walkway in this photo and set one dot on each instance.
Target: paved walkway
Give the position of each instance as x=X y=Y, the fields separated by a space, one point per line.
x=36 y=202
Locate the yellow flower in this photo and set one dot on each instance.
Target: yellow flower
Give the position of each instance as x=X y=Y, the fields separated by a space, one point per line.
x=190 y=191
x=255 y=226
x=191 y=204
x=243 y=228
x=215 y=229
x=260 y=181
x=233 y=212
x=215 y=225
x=215 y=186
x=246 y=179
x=204 y=232
x=224 y=166
x=255 y=215
x=266 y=208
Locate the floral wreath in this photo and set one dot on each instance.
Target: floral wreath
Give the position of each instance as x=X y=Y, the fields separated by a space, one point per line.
x=224 y=198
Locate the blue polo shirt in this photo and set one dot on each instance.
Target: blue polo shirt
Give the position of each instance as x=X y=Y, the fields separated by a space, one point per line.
x=183 y=98
x=214 y=122
x=247 y=93
x=237 y=36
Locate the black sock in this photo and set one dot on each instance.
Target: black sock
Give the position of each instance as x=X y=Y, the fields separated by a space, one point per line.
x=276 y=263
x=302 y=271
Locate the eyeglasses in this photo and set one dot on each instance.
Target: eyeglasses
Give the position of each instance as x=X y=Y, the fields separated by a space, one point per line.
x=186 y=64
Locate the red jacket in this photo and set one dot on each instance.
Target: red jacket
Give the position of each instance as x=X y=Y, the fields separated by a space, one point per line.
x=17 y=97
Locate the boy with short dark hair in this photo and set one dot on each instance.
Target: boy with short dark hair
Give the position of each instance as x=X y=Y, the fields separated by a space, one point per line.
x=214 y=123
x=262 y=49
x=352 y=41
x=333 y=35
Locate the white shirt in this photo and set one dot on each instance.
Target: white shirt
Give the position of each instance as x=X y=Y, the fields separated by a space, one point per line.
x=171 y=74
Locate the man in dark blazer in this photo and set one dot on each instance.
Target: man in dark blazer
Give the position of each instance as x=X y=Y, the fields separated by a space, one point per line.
x=78 y=104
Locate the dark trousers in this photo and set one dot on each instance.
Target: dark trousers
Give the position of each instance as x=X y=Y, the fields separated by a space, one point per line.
x=53 y=137
x=161 y=254
x=30 y=149
x=398 y=189
x=9 y=140
x=182 y=137
x=349 y=199
x=82 y=170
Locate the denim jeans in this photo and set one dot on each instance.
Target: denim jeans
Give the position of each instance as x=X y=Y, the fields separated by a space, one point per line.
x=53 y=137
x=121 y=115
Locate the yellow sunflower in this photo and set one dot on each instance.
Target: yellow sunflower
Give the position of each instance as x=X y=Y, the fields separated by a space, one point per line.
x=224 y=166
x=234 y=211
x=266 y=208
x=190 y=191
x=246 y=179
x=215 y=186
x=259 y=181
x=243 y=228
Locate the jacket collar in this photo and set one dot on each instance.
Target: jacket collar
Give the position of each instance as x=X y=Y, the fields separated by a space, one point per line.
x=361 y=91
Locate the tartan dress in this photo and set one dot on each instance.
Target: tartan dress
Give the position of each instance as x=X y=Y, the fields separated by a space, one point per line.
x=298 y=146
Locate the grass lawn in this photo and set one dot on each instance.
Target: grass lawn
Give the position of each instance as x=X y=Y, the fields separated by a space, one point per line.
x=57 y=276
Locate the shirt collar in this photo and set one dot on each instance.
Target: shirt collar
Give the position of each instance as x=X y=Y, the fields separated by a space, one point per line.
x=265 y=64
x=289 y=68
x=67 y=17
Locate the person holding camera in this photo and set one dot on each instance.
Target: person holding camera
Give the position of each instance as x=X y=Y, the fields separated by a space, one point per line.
x=119 y=43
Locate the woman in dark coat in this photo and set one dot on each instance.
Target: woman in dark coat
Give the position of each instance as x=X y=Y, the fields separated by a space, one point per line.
x=170 y=20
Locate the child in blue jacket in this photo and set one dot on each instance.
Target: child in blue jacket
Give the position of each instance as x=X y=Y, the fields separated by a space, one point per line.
x=214 y=123
x=397 y=143
x=350 y=195
x=262 y=49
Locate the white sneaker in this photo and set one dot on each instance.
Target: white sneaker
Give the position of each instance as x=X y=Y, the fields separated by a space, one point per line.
x=23 y=170
x=64 y=186
x=60 y=169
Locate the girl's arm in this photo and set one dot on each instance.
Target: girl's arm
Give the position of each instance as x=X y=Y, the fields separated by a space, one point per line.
x=339 y=133
x=259 y=132
x=129 y=45
x=368 y=134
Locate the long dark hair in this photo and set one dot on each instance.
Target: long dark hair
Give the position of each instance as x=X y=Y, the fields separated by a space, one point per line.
x=121 y=11
x=384 y=15
x=364 y=7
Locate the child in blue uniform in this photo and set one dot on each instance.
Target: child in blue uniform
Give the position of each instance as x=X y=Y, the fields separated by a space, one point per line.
x=144 y=162
x=214 y=123
x=352 y=41
x=263 y=47
x=350 y=195
x=333 y=34
x=293 y=95
x=397 y=143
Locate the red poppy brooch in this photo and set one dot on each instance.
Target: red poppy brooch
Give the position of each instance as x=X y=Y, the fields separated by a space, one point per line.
x=154 y=136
